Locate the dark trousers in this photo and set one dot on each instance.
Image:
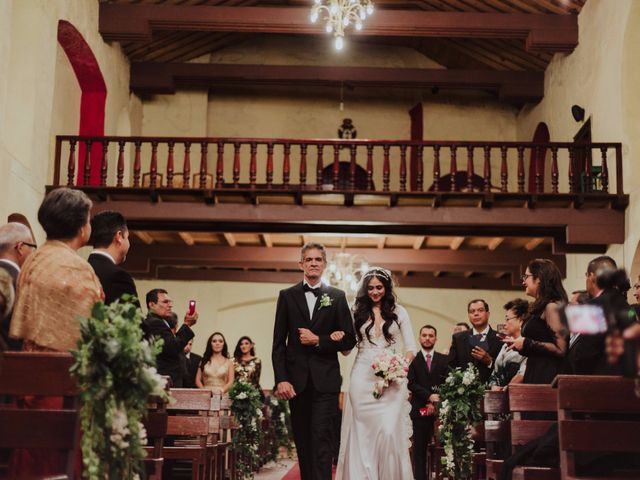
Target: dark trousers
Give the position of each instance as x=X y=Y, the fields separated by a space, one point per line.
x=312 y=419
x=422 y=434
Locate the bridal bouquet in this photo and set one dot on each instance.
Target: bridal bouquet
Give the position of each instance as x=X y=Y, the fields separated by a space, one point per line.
x=390 y=367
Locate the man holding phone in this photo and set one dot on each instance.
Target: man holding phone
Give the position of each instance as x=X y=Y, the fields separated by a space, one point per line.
x=480 y=345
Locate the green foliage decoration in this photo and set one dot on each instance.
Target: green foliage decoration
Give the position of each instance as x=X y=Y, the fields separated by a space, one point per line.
x=280 y=427
x=246 y=406
x=116 y=374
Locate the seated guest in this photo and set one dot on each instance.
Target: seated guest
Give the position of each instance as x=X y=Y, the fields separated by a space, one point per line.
x=216 y=371
x=16 y=244
x=110 y=240
x=6 y=301
x=192 y=362
x=509 y=366
x=156 y=325
x=246 y=365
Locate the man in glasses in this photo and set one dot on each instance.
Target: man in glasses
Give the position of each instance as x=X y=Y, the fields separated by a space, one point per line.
x=16 y=244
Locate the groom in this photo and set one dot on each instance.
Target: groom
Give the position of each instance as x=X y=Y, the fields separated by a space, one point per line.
x=305 y=360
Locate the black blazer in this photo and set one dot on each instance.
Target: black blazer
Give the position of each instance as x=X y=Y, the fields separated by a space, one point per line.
x=294 y=362
x=192 y=363
x=12 y=343
x=460 y=352
x=114 y=279
x=169 y=359
x=422 y=382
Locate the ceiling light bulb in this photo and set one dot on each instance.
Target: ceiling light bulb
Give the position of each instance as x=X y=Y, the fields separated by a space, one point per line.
x=339 y=43
x=358 y=25
x=314 y=17
x=329 y=28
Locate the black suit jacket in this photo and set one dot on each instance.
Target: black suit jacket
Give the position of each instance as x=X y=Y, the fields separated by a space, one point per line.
x=169 y=359
x=294 y=362
x=12 y=343
x=114 y=279
x=422 y=381
x=460 y=352
x=192 y=363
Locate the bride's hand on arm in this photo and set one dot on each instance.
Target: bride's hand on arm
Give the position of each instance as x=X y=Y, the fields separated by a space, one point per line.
x=409 y=356
x=337 y=335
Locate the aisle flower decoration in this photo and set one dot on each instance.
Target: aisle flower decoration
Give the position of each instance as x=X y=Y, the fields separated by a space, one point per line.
x=390 y=367
x=459 y=410
x=246 y=406
x=116 y=374
x=280 y=426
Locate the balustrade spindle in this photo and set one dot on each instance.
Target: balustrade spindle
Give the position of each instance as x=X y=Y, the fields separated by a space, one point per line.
x=120 y=173
x=486 y=184
x=352 y=168
x=453 y=170
x=436 y=168
x=220 y=166
x=386 y=169
x=587 y=169
x=286 y=165
x=303 y=165
x=204 y=149
x=236 y=164
x=170 y=166
x=319 y=167
x=403 y=168
x=604 y=174
x=336 y=167
x=71 y=165
x=269 y=165
x=419 y=169
x=470 y=170
x=136 y=165
x=554 y=169
x=520 y=169
x=619 y=190
x=538 y=160
x=186 y=166
x=104 y=163
x=154 y=165
x=572 y=158
x=253 y=165
x=370 y=167
x=87 y=162
x=504 y=170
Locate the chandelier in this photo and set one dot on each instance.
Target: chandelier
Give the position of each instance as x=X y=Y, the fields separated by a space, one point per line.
x=345 y=271
x=340 y=14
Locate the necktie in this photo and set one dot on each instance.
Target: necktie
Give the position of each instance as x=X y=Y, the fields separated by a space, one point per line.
x=429 y=362
x=315 y=291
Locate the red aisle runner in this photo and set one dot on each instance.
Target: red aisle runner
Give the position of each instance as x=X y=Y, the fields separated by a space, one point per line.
x=294 y=473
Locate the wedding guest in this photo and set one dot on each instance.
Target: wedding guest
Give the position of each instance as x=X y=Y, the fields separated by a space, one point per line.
x=216 y=369
x=192 y=362
x=478 y=346
x=246 y=365
x=110 y=240
x=636 y=290
x=7 y=296
x=461 y=327
x=16 y=244
x=509 y=366
x=168 y=361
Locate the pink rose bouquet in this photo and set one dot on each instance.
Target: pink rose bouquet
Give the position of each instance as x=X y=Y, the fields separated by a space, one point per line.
x=390 y=367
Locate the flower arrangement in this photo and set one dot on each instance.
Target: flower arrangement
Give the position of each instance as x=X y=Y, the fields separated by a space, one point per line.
x=280 y=426
x=390 y=367
x=116 y=374
x=325 y=301
x=246 y=407
x=459 y=410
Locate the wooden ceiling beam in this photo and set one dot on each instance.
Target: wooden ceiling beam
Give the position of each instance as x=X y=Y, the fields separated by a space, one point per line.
x=187 y=238
x=533 y=243
x=417 y=245
x=144 y=236
x=456 y=243
x=131 y=22
x=230 y=239
x=495 y=243
x=266 y=240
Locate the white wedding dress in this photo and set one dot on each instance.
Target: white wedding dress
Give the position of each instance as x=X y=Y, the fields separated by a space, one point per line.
x=375 y=436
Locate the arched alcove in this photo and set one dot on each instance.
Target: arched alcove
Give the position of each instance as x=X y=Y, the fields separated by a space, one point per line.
x=93 y=96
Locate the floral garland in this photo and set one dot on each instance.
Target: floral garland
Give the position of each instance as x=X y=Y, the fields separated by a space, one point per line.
x=116 y=374
x=280 y=426
x=459 y=410
x=246 y=406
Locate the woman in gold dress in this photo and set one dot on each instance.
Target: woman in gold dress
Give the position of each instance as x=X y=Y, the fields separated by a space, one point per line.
x=246 y=365
x=216 y=369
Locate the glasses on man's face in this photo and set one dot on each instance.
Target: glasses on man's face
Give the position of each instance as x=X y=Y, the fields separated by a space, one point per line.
x=511 y=318
x=524 y=277
x=32 y=245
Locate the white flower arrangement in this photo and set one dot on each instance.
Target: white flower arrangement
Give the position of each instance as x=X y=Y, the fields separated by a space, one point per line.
x=390 y=367
x=325 y=301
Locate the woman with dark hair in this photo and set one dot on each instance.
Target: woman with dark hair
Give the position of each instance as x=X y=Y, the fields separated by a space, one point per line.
x=245 y=363
x=375 y=431
x=544 y=338
x=216 y=369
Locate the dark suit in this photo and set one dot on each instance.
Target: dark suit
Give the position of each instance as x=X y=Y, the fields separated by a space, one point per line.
x=313 y=371
x=192 y=362
x=460 y=352
x=12 y=343
x=168 y=360
x=115 y=280
x=421 y=384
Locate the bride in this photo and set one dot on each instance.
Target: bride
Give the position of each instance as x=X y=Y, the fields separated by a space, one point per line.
x=375 y=434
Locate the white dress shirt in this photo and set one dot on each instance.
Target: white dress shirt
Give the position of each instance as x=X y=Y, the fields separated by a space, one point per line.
x=310 y=297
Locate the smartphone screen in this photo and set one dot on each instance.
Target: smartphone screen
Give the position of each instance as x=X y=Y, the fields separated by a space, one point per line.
x=192 y=307
x=586 y=319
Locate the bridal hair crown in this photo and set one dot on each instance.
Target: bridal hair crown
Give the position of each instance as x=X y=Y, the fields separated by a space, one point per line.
x=378 y=272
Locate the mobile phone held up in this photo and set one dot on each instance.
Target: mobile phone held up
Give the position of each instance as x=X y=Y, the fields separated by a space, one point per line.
x=192 y=307
x=586 y=319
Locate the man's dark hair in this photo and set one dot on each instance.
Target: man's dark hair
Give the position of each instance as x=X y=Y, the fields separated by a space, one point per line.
x=431 y=327
x=582 y=296
x=519 y=306
x=63 y=212
x=601 y=263
x=104 y=226
x=486 y=305
x=152 y=295
x=463 y=324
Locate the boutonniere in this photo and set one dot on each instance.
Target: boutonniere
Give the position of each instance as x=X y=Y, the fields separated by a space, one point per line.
x=325 y=300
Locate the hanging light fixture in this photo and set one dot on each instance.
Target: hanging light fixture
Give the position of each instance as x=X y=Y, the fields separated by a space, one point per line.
x=344 y=271
x=340 y=14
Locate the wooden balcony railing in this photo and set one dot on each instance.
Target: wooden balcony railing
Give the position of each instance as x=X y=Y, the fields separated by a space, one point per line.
x=338 y=165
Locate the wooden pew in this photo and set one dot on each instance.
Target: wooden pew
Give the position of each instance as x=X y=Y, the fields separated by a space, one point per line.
x=42 y=374
x=597 y=414
x=155 y=424
x=496 y=429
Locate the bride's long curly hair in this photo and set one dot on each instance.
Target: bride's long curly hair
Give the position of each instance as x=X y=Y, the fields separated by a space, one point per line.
x=363 y=307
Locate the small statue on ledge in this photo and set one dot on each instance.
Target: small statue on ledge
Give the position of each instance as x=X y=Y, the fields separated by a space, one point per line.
x=347 y=131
